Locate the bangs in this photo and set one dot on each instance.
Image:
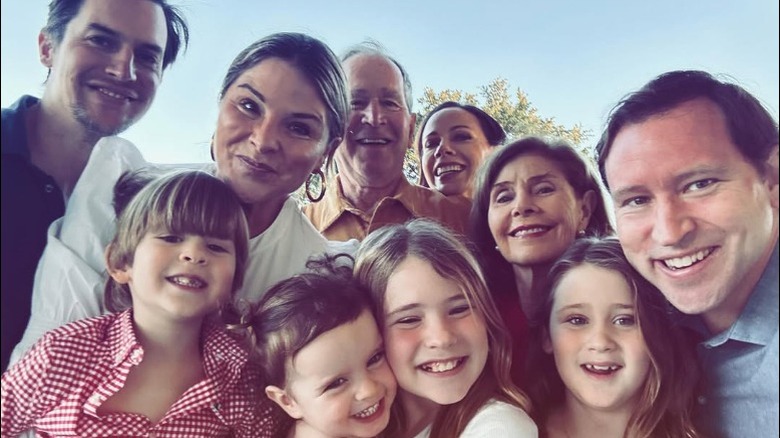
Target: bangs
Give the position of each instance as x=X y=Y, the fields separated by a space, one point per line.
x=193 y=205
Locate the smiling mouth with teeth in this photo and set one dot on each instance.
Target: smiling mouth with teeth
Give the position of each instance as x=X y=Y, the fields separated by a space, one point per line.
x=442 y=366
x=448 y=169
x=189 y=282
x=601 y=369
x=369 y=411
x=528 y=231
x=687 y=261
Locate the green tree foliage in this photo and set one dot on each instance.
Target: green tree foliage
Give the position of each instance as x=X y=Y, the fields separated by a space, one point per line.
x=513 y=111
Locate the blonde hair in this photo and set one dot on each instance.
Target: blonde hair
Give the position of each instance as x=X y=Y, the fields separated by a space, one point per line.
x=376 y=260
x=183 y=202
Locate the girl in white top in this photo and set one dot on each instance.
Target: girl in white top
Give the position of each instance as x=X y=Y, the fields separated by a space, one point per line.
x=444 y=338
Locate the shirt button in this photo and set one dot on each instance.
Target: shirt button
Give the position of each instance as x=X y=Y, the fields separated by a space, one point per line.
x=48 y=188
x=701 y=399
x=136 y=355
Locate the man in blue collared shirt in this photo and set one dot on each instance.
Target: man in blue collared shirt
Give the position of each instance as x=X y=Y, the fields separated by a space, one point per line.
x=105 y=61
x=692 y=166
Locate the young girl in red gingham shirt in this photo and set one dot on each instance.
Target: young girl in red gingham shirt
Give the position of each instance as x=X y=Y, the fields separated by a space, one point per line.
x=161 y=365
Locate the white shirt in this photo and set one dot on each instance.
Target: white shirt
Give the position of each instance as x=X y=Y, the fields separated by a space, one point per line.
x=496 y=419
x=71 y=273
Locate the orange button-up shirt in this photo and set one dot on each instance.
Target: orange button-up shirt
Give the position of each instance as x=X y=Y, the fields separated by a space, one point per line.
x=337 y=219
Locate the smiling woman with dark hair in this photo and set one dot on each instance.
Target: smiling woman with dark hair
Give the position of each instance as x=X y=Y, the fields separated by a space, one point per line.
x=452 y=141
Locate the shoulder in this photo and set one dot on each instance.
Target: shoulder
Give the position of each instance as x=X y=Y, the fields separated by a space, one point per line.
x=14 y=132
x=498 y=419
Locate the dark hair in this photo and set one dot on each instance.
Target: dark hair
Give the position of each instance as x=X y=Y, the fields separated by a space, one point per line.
x=296 y=311
x=314 y=60
x=751 y=127
x=371 y=47
x=184 y=202
x=492 y=130
x=667 y=395
x=570 y=163
x=61 y=12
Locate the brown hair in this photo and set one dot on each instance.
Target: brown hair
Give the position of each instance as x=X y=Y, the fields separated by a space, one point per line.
x=667 y=396
x=296 y=311
x=379 y=256
x=182 y=202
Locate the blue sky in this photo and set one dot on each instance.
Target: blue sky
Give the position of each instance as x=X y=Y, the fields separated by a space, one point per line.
x=574 y=59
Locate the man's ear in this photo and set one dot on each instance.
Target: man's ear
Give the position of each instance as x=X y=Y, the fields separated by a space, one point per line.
x=45 y=49
x=281 y=398
x=772 y=176
x=120 y=275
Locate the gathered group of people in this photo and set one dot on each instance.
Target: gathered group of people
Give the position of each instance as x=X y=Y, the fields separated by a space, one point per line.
x=502 y=295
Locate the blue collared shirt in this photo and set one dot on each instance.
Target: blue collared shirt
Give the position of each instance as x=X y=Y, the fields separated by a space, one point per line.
x=740 y=366
x=31 y=200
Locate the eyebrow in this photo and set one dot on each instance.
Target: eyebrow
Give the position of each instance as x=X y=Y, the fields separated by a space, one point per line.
x=107 y=30
x=534 y=179
x=578 y=306
x=411 y=306
x=259 y=95
x=676 y=180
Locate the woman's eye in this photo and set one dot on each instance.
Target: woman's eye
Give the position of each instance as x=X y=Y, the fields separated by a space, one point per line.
x=300 y=129
x=544 y=189
x=432 y=143
x=336 y=384
x=503 y=197
x=248 y=106
x=462 y=136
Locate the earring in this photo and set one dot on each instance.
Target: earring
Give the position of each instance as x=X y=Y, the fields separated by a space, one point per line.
x=318 y=198
x=581 y=233
x=497 y=248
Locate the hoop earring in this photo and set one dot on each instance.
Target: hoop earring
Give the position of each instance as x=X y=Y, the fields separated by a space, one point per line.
x=318 y=198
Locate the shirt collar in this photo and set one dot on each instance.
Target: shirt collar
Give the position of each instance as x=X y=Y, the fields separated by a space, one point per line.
x=122 y=340
x=14 y=136
x=335 y=203
x=757 y=324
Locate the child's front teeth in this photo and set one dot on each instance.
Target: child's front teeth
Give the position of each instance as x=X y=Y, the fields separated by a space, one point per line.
x=371 y=410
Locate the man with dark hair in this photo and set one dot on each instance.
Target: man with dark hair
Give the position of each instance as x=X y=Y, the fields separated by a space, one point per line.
x=692 y=166
x=105 y=59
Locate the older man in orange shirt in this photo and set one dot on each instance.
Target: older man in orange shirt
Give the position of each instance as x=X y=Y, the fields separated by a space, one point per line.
x=371 y=190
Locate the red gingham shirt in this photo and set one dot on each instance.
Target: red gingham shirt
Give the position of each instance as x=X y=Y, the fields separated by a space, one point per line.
x=57 y=388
